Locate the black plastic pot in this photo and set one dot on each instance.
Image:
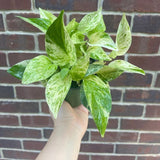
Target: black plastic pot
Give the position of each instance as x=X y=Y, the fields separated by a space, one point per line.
x=73 y=96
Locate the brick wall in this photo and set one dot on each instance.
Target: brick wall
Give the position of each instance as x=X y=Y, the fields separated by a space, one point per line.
x=133 y=132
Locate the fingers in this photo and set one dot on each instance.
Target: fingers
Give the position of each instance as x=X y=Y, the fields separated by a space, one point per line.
x=82 y=108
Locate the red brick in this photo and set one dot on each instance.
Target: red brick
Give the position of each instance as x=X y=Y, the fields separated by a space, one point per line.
x=144 y=45
x=44 y=107
x=137 y=149
x=146 y=24
x=143 y=125
x=150 y=138
x=20 y=133
x=15 y=5
x=127 y=110
x=6 y=143
x=84 y=5
x=112 y=22
x=115 y=137
x=16 y=42
x=19 y=154
x=18 y=57
x=19 y=107
x=146 y=96
x=37 y=121
x=33 y=145
x=132 y=6
x=30 y=93
x=97 y=148
x=16 y=24
x=7 y=78
x=6 y=92
x=78 y=17
x=149 y=62
x=83 y=157
x=116 y=94
x=113 y=157
x=157 y=84
x=131 y=79
x=41 y=42
x=8 y=120
x=1 y=23
x=156 y=157
x=152 y=111
x=47 y=133
x=3 y=61
x=112 y=124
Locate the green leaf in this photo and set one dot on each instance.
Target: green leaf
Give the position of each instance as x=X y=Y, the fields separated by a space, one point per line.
x=93 y=68
x=59 y=46
x=42 y=24
x=56 y=91
x=126 y=66
x=123 y=38
x=17 y=70
x=44 y=14
x=102 y=39
x=98 y=53
x=79 y=70
x=39 y=68
x=64 y=72
x=99 y=99
x=116 y=68
x=78 y=38
x=89 y=22
x=72 y=26
x=83 y=98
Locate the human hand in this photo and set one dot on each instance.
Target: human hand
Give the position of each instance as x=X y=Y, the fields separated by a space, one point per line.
x=72 y=119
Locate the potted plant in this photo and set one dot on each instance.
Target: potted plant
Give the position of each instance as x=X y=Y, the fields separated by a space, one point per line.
x=75 y=63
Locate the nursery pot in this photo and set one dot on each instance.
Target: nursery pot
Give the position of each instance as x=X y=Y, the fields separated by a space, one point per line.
x=73 y=96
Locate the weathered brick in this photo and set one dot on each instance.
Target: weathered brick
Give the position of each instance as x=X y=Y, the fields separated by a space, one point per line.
x=127 y=110
x=112 y=124
x=44 y=107
x=1 y=23
x=33 y=145
x=20 y=133
x=143 y=125
x=47 y=133
x=15 y=5
x=19 y=154
x=6 y=143
x=157 y=84
x=137 y=149
x=78 y=17
x=146 y=24
x=83 y=157
x=116 y=94
x=152 y=111
x=16 y=24
x=150 y=138
x=3 y=61
x=113 y=157
x=7 y=78
x=37 y=121
x=149 y=157
x=18 y=57
x=30 y=93
x=132 y=79
x=144 y=45
x=67 y=5
x=16 y=42
x=146 y=96
x=6 y=92
x=115 y=137
x=132 y=5
x=19 y=107
x=9 y=120
x=112 y=22
x=41 y=42
x=97 y=148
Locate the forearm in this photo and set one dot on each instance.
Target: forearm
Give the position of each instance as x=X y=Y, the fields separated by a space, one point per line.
x=63 y=144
